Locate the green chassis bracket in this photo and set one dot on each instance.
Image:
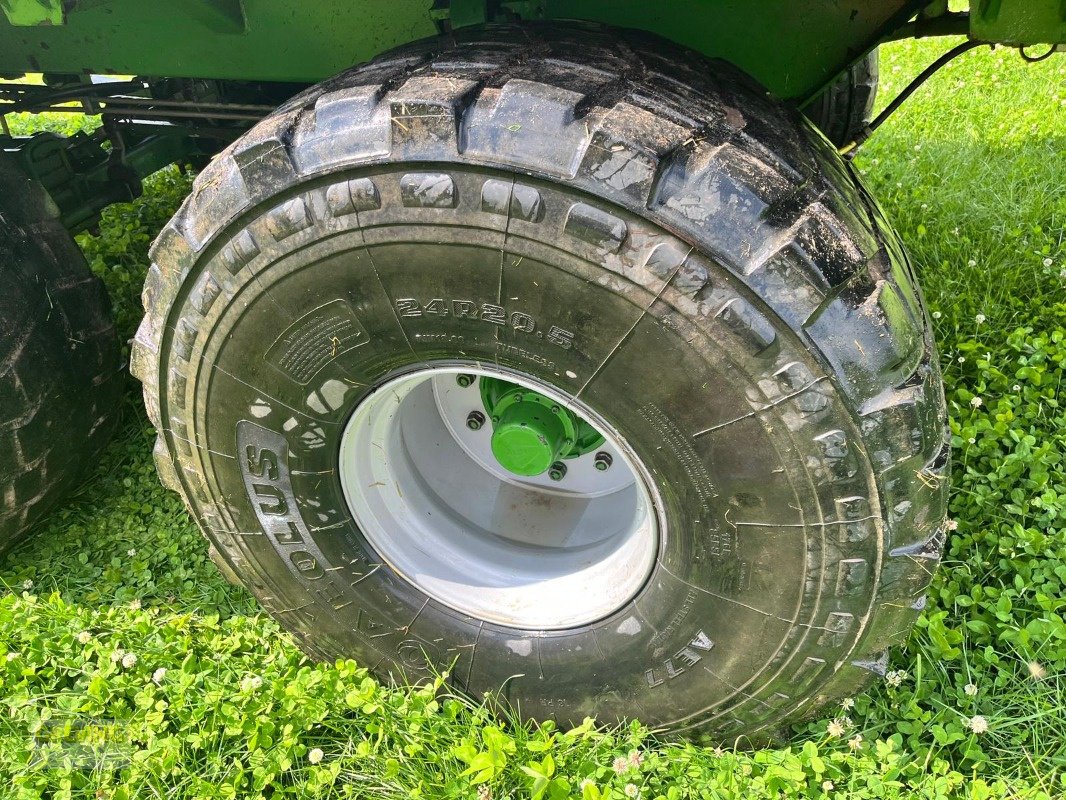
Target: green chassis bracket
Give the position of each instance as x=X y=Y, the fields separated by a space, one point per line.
x=1019 y=22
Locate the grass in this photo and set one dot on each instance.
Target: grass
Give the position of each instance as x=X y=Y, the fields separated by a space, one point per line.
x=120 y=632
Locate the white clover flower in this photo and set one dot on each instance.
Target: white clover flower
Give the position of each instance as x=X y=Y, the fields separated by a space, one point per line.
x=970 y=689
x=586 y=782
x=976 y=402
x=980 y=318
x=972 y=440
x=827 y=786
x=1016 y=388
x=937 y=315
x=484 y=792
x=952 y=524
x=316 y=754
x=971 y=263
x=84 y=637
x=158 y=675
x=117 y=655
x=27 y=584
x=835 y=728
x=847 y=703
x=251 y=683
x=895 y=677
x=1036 y=670
x=635 y=759
x=135 y=604
x=855 y=742
x=977 y=724
x=129 y=660
x=632 y=790
x=1048 y=262
x=12 y=656
x=131 y=552
x=620 y=765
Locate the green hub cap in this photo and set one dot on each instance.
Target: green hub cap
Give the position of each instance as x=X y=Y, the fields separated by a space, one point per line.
x=530 y=432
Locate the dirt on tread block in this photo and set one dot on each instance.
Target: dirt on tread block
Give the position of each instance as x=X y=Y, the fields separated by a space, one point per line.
x=60 y=365
x=651 y=128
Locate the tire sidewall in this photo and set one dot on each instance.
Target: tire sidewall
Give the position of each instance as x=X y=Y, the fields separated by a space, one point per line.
x=725 y=620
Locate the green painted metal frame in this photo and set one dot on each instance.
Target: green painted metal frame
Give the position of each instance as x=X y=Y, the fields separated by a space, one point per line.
x=794 y=47
x=1019 y=22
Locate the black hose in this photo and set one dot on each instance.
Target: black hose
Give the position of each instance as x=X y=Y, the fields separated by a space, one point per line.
x=849 y=150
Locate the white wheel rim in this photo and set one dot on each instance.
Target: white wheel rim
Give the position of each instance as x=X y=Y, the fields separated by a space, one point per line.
x=527 y=553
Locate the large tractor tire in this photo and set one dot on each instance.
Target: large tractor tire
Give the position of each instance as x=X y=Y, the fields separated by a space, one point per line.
x=60 y=364
x=847 y=105
x=560 y=359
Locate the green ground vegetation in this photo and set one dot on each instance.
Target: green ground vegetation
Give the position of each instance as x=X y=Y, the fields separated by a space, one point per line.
x=116 y=630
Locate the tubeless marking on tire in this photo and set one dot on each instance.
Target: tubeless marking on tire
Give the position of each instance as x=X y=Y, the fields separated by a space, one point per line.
x=518 y=321
x=318 y=337
x=721 y=543
x=688 y=656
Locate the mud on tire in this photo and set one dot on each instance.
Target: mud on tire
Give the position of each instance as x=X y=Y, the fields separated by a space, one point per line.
x=728 y=297
x=60 y=368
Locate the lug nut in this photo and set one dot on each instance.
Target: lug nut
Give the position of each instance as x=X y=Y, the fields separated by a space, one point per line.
x=603 y=461
x=474 y=420
x=557 y=471
x=464 y=380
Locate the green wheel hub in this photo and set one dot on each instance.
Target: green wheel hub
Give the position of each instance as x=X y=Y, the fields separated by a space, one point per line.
x=531 y=432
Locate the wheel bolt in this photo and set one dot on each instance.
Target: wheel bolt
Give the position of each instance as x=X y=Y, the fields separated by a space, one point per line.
x=464 y=380
x=557 y=471
x=603 y=461
x=474 y=420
